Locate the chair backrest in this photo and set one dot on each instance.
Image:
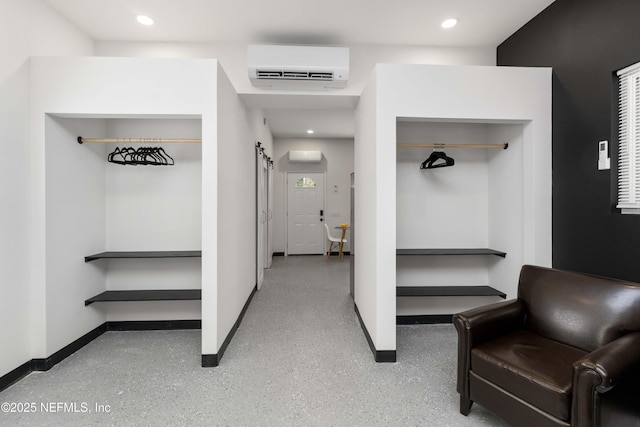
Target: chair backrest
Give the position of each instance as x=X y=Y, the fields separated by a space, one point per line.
x=580 y=310
x=328 y=232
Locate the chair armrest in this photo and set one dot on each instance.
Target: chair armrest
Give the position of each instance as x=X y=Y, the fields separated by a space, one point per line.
x=490 y=321
x=481 y=324
x=612 y=362
x=600 y=371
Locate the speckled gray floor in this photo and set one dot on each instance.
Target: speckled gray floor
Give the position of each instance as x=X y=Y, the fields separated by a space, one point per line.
x=298 y=359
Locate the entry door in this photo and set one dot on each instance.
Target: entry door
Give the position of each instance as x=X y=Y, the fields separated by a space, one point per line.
x=305 y=205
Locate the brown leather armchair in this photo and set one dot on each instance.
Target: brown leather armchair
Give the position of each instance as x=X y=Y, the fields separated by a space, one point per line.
x=566 y=352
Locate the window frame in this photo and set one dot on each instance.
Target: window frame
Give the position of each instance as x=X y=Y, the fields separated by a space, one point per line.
x=629 y=139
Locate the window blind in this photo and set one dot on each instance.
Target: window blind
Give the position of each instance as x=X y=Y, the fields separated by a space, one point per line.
x=629 y=140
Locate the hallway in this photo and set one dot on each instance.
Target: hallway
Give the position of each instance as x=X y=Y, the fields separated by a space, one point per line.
x=299 y=358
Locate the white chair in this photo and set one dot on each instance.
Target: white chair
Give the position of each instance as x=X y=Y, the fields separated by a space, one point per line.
x=339 y=241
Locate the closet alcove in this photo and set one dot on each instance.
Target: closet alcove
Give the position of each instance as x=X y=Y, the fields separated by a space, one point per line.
x=459 y=229
x=94 y=206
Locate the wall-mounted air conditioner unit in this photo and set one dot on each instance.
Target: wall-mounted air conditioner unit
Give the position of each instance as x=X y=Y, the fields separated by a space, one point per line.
x=305 y=156
x=298 y=66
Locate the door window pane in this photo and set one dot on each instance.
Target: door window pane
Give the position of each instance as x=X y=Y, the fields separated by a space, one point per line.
x=305 y=182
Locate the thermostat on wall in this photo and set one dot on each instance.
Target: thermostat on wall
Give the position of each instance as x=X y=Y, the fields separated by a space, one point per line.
x=603 y=157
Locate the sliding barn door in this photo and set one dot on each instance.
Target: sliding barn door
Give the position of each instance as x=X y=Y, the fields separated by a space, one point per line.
x=269 y=215
x=261 y=216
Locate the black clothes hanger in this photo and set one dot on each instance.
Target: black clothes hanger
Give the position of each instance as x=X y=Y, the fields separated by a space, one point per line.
x=437 y=159
x=129 y=156
x=168 y=160
x=117 y=156
x=152 y=157
x=156 y=156
x=142 y=156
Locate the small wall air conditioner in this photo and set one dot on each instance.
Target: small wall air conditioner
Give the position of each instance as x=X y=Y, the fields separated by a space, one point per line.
x=298 y=66
x=305 y=156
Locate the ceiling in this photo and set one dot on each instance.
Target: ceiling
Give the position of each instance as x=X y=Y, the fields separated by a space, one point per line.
x=482 y=23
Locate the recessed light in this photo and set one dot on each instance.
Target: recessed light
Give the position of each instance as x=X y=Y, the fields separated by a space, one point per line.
x=310 y=131
x=449 y=23
x=144 y=20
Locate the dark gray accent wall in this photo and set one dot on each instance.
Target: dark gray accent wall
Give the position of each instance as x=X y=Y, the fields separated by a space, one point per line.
x=585 y=41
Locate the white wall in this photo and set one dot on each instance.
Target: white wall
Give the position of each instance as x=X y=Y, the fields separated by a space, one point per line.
x=75 y=225
x=153 y=208
x=367 y=219
x=477 y=203
x=236 y=209
x=27 y=27
x=442 y=93
x=113 y=88
x=233 y=57
x=445 y=207
x=337 y=163
x=260 y=128
x=441 y=208
x=507 y=202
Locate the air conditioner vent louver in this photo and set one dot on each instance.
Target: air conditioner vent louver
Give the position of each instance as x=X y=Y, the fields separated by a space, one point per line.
x=298 y=67
x=294 y=75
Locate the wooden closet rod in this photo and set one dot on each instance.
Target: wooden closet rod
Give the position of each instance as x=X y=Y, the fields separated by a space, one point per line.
x=139 y=140
x=435 y=145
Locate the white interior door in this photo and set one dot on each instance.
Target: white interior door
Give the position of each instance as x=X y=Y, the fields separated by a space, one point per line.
x=305 y=206
x=265 y=214
x=269 y=215
x=261 y=217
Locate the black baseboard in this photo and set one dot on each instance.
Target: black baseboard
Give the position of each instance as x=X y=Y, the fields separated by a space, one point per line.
x=213 y=360
x=142 y=325
x=278 y=254
x=16 y=375
x=427 y=319
x=57 y=357
x=380 y=356
x=154 y=325
x=64 y=352
x=210 y=360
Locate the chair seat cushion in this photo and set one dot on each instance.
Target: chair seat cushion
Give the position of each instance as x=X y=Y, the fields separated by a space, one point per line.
x=533 y=368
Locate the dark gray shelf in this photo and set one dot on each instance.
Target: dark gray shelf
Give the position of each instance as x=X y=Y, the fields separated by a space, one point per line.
x=144 y=254
x=448 y=291
x=469 y=251
x=147 y=295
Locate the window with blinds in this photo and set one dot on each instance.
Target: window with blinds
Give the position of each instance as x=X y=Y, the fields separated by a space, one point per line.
x=629 y=140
